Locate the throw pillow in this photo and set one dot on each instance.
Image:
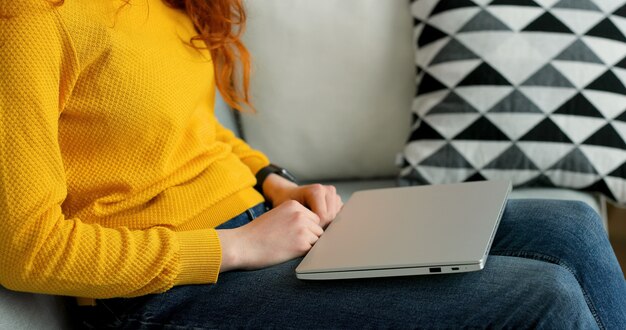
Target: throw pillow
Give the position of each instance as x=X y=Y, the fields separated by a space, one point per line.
x=531 y=91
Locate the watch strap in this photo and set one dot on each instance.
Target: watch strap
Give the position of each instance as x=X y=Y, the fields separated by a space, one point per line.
x=263 y=173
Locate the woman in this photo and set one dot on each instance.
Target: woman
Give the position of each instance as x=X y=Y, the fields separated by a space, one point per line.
x=119 y=184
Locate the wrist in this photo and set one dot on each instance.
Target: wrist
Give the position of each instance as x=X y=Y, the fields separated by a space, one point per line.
x=264 y=173
x=276 y=187
x=231 y=258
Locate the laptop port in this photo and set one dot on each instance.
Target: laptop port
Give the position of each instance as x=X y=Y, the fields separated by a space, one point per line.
x=435 y=269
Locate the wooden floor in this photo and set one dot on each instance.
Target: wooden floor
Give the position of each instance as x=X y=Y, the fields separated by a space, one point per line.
x=617 y=233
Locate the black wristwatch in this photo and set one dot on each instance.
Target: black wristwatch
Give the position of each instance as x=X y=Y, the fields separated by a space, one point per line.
x=262 y=174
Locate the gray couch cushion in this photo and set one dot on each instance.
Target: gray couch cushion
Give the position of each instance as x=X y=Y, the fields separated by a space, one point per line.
x=333 y=85
x=20 y=310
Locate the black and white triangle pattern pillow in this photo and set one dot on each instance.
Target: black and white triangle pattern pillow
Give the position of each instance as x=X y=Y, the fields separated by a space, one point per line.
x=531 y=91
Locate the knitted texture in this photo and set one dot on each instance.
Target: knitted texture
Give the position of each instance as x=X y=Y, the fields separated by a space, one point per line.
x=113 y=168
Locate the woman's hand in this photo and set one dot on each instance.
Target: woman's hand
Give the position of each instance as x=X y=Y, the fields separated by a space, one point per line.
x=321 y=199
x=283 y=233
x=287 y=231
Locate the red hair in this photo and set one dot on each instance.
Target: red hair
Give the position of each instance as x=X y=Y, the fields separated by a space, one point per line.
x=220 y=24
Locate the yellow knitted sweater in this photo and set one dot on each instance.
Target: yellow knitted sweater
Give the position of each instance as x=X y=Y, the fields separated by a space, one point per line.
x=113 y=168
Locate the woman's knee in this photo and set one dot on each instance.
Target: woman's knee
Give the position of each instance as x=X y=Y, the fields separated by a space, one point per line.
x=529 y=293
x=558 y=297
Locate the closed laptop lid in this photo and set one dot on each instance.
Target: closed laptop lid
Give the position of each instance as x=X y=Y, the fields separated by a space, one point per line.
x=419 y=226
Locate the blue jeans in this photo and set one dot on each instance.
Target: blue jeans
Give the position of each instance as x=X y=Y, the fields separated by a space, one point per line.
x=550 y=266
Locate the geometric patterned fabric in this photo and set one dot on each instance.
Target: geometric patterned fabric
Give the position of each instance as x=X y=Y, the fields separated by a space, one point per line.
x=530 y=91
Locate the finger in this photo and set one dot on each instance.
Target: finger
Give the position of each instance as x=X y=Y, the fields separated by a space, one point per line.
x=316 y=200
x=335 y=205
x=331 y=204
x=316 y=229
x=339 y=203
x=312 y=239
x=315 y=218
x=303 y=213
x=315 y=239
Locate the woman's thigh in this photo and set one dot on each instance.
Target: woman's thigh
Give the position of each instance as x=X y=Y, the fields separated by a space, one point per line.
x=551 y=266
x=509 y=292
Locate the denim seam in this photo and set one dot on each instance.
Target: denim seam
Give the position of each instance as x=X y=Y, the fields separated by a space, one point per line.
x=251 y=215
x=557 y=261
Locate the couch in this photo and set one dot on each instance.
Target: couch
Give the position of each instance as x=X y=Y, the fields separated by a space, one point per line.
x=333 y=85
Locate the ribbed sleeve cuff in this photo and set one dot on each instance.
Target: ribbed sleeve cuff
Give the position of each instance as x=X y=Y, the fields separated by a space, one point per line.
x=200 y=257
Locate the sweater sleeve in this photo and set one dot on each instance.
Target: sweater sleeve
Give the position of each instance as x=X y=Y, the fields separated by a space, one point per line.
x=254 y=159
x=41 y=249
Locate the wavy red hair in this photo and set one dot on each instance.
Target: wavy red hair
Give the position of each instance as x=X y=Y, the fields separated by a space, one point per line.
x=220 y=24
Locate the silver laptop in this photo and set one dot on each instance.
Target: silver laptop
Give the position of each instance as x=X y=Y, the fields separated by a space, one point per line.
x=409 y=231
